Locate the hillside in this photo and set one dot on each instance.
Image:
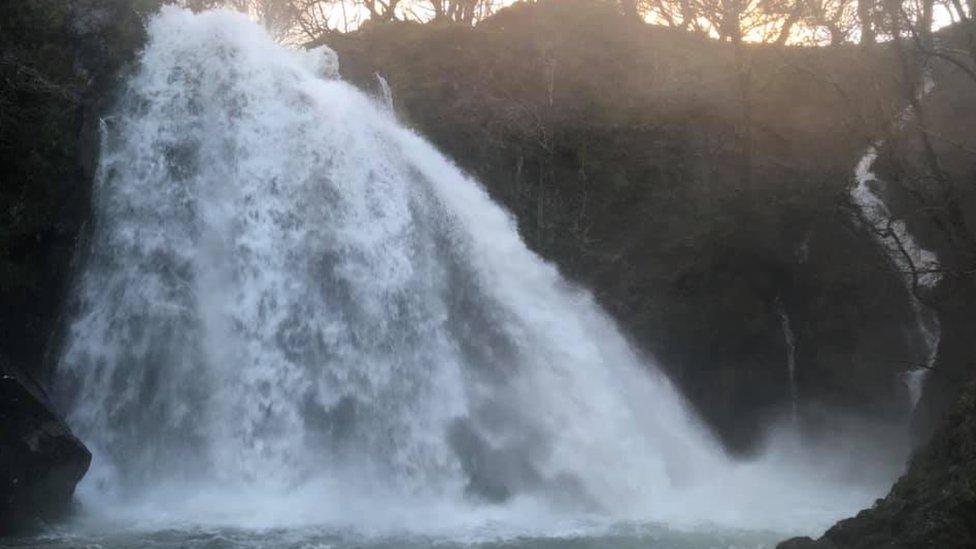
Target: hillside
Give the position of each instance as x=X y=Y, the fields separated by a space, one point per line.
x=700 y=208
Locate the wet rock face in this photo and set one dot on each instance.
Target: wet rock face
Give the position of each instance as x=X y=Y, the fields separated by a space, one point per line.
x=60 y=62
x=955 y=362
x=40 y=460
x=932 y=505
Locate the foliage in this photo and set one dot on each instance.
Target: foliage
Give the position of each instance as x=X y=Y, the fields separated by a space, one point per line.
x=773 y=21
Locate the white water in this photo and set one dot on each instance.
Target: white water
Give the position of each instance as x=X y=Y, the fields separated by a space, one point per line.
x=903 y=251
x=296 y=312
x=789 y=338
x=907 y=255
x=385 y=93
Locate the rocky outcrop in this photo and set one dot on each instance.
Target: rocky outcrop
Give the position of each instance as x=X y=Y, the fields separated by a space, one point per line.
x=40 y=460
x=932 y=506
x=59 y=63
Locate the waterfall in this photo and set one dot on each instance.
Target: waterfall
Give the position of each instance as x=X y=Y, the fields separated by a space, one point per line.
x=790 y=339
x=906 y=254
x=902 y=250
x=386 y=94
x=290 y=297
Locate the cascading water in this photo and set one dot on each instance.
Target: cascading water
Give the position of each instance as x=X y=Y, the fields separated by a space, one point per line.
x=906 y=254
x=789 y=338
x=902 y=250
x=385 y=93
x=295 y=310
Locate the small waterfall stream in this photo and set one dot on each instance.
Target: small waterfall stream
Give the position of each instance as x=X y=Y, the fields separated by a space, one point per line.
x=386 y=94
x=789 y=338
x=902 y=249
x=905 y=253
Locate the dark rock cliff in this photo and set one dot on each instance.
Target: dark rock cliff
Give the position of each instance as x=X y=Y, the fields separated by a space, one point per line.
x=698 y=200
x=59 y=62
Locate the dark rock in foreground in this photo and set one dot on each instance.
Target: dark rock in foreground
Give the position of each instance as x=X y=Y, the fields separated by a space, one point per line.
x=933 y=505
x=40 y=460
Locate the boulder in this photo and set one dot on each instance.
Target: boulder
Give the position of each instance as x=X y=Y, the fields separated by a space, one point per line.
x=40 y=460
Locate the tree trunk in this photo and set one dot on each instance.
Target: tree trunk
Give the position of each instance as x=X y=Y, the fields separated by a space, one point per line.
x=791 y=20
x=687 y=15
x=438 y=9
x=732 y=21
x=960 y=11
x=864 y=16
x=467 y=16
x=925 y=22
x=836 y=35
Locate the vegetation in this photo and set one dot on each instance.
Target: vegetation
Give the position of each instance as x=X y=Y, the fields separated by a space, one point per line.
x=774 y=21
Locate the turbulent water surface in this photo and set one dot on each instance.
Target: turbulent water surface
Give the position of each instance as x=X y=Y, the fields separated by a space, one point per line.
x=298 y=325
x=623 y=537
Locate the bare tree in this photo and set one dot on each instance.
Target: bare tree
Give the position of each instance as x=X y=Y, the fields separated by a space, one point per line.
x=381 y=10
x=314 y=19
x=865 y=17
x=466 y=12
x=794 y=16
x=731 y=20
x=278 y=16
x=837 y=18
x=201 y=5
